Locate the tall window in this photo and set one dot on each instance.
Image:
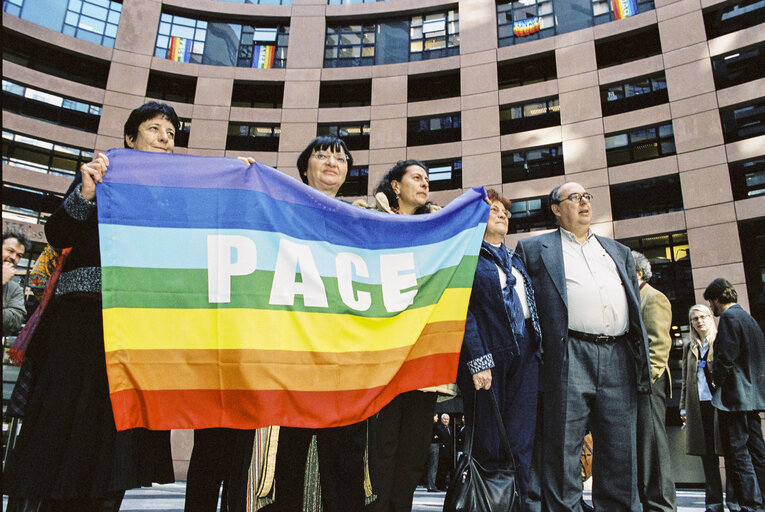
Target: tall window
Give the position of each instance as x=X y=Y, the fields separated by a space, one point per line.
x=445 y=174
x=533 y=163
x=433 y=130
x=95 y=21
x=743 y=121
x=752 y=236
x=42 y=155
x=747 y=178
x=221 y=44
x=56 y=109
x=640 y=144
x=634 y=94
x=741 y=66
x=183 y=133
x=646 y=198
x=530 y=214
x=529 y=116
x=253 y=137
x=355 y=135
x=350 y=45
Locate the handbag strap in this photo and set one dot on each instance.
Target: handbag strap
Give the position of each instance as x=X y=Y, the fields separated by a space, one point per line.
x=503 y=440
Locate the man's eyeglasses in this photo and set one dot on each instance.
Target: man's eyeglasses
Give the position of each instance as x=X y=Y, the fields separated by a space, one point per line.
x=341 y=159
x=699 y=319
x=497 y=210
x=577 y=197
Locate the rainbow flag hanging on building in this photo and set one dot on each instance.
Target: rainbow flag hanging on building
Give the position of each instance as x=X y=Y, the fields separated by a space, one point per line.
x=180 y=49
x=527 y=26
x=263 y=56
x=239 y=297
x=624 y=8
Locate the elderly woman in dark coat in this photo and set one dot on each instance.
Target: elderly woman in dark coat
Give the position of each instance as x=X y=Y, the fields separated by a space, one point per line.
x=701 y=436
x=500 y=352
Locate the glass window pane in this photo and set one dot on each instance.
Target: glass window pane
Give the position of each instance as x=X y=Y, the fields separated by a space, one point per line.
x=615 y=141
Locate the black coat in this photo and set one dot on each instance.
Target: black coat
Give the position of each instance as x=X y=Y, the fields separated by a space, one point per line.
x=738 y=370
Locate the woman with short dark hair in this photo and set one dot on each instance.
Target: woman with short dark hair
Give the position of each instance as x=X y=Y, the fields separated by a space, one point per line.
x=501 y=350
x=69 y=455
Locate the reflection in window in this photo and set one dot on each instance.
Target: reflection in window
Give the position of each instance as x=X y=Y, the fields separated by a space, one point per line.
x=529 y=164
x=744 y=121
x=445 y=174
x=530 y=214
x=94 y=21
x=634 y=94
x=349 y=45
x=433 y=130
x=640 y=144
x=253 y=137
x=747 y=178
x=31 y=102
x=257 y=94
x=646 y=198
x=739 y=67
x=355 y=135
x=529 y=116
x=221 y=44
x=519 y=72
x=356 y=182
x=42 y=155
x=729 y=17
x=434 y=35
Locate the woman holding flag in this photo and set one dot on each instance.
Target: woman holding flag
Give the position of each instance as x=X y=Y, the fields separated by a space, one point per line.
x=69 y=455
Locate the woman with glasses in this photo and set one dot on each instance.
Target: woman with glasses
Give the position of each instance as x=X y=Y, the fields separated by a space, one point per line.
x=404 y=426
x=343 y=477
x=696 y=411
x=500 y=351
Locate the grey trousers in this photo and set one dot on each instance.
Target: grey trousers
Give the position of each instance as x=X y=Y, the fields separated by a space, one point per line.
x=433 y=465
x=596 y=388
x=655 y=483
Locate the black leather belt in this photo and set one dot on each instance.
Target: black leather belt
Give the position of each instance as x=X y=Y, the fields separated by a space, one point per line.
x=594 y=338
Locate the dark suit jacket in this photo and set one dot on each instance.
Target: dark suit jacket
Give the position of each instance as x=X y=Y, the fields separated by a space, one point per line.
x=445 y=440
x=543 y=257
x=738 y=369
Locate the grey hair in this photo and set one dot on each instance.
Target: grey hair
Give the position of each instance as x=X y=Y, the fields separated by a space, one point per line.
x=642 y=263
x=704 y=309
x=445 y=414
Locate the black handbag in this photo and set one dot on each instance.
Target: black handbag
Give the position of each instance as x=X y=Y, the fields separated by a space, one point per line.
x=473 y=488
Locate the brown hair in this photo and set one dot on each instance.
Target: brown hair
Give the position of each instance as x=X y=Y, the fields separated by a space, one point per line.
x=492 y=195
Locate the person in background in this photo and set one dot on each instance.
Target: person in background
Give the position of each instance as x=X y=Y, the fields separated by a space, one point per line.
x=15 y=245
x=435 y=447
x=403 y=426
x=69 y=455
x=655 y=483
x=699 y=417
x=500 y=351
x=445 y=452
x=738 y=377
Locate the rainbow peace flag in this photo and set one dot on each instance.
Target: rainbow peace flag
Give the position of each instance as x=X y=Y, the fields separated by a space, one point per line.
x=180 y=49
x=263 y=56
x=624 y=8
x=239 y=297
x=527 y=26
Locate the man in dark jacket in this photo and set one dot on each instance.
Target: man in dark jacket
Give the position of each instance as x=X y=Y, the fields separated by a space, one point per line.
x=446 y=452
x=738 y=376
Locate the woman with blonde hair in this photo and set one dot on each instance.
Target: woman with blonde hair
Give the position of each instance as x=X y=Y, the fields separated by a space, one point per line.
x=696 y=411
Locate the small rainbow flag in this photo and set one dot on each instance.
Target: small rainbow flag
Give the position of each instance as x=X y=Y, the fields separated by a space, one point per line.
x=624 y=8
x=180 y=49
x=239 y=297
x=263 y=56
x=527 y=26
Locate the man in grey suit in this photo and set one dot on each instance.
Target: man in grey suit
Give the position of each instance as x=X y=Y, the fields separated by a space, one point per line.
x=738 y=377
x=595 y=356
